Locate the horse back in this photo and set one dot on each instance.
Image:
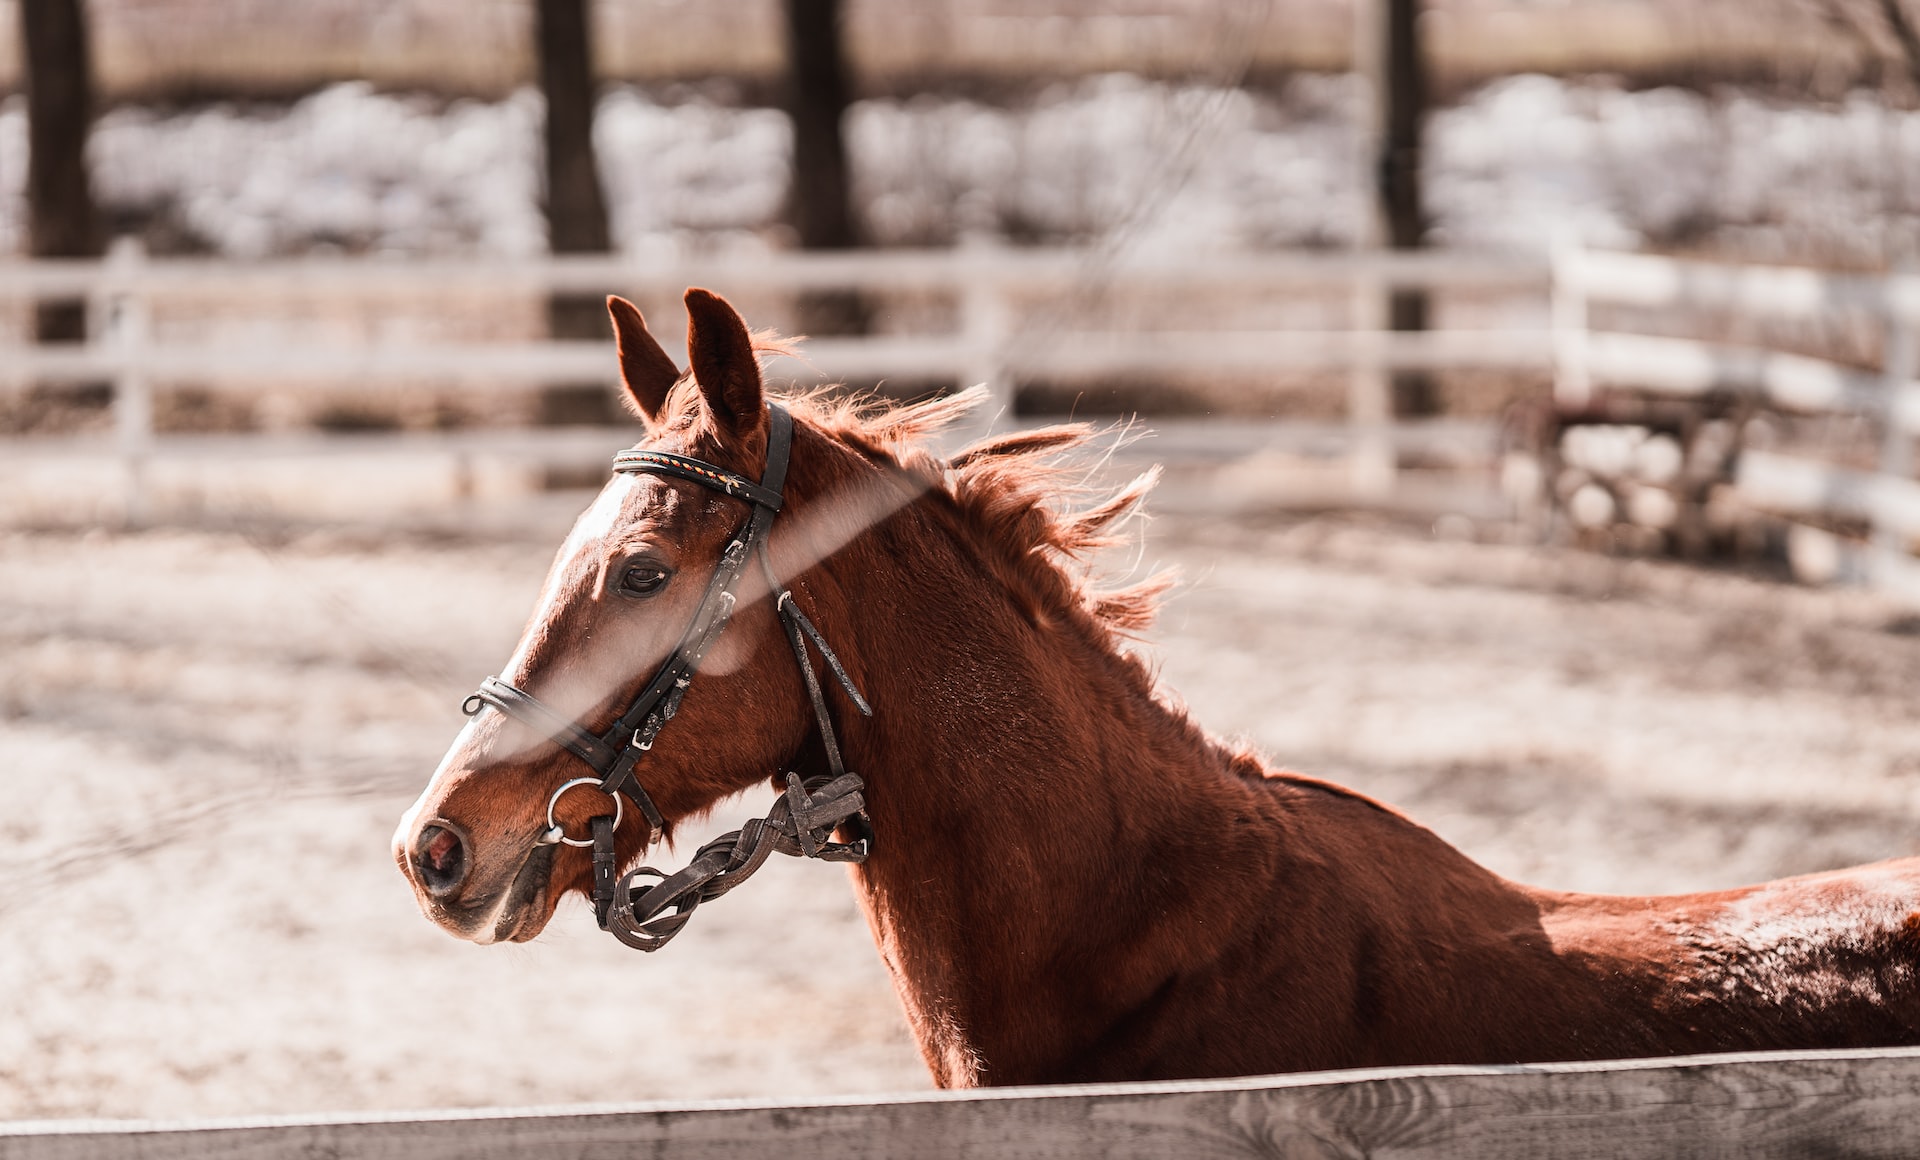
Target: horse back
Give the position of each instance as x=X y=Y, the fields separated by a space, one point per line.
x=1822 y=960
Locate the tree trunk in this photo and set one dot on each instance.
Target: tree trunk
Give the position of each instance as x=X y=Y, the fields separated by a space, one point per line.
x=576 y=207
x=821 y=204
x=61 y=219
x=1414 y=392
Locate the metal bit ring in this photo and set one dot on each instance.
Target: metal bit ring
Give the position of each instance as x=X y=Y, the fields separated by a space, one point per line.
x=554 y=831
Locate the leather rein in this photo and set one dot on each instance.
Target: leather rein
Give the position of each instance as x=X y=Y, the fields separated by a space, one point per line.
x=803 y=819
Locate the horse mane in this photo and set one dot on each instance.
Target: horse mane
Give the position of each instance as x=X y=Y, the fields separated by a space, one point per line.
x=1027 y=497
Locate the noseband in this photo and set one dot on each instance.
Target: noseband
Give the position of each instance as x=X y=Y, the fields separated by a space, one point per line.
x=804 y=818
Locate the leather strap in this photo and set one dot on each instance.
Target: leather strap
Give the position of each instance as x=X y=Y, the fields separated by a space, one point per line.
x=799 y=824
x=531 y=710
x=613 y=764
x=606 y=867
x=718 y=478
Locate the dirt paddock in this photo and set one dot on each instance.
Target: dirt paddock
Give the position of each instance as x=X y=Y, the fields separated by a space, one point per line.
x=206 y=738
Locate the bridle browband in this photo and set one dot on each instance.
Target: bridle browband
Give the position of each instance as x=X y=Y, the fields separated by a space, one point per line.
x=802 y=820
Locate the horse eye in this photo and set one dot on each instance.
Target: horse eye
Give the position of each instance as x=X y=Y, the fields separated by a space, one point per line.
x=643 y=580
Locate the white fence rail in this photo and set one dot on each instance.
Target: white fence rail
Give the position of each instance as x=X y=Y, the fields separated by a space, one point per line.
x=1757 y=1106
x=983 y=278
x=989 y=343
x=1887 y=499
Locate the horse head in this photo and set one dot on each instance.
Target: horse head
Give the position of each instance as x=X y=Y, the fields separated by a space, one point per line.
x=481 y=847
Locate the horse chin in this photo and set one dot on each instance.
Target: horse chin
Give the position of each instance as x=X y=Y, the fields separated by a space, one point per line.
x=525 y=907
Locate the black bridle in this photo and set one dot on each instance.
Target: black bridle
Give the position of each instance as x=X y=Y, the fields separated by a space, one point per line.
x=804 y=818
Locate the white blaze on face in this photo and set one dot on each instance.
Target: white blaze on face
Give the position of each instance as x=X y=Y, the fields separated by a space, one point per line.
x=409 y=821
x=590 y=531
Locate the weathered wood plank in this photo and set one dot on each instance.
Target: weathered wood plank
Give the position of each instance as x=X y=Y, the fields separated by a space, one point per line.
x=1863 y=1104
x=878 y=270
x=245 y=369
x=1787 y=483
x=1655 y=280
x=1681 y=366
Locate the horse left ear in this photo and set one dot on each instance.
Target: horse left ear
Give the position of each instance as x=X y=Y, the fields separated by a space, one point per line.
x=645 y=370
x=724 y=365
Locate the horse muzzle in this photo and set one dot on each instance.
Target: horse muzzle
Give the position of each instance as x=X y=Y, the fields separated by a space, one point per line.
x=460 y=893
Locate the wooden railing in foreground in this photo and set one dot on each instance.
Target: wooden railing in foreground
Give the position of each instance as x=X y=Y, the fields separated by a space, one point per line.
x=1864 y=1105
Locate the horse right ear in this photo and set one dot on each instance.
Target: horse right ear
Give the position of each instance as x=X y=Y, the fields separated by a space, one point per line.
x=720 y=351
x=645 y=370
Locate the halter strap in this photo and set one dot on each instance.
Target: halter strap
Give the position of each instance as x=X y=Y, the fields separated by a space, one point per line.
x=614 y=754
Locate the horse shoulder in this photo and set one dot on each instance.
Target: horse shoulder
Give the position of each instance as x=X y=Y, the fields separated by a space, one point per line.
x=1374 y=941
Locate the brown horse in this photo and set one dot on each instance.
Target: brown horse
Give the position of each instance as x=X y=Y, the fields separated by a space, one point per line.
x=1071 y=880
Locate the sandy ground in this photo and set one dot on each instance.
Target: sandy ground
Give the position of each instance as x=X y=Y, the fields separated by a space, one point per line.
x=206 y=739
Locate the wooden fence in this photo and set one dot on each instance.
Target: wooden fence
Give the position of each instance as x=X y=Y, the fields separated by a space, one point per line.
x=1864 y=1105
x=993 y=344
x=990 y=345
x=1857 y=1104
x=1887 y=500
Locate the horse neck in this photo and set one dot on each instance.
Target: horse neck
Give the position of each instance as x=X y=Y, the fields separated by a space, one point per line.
x=1031 y=799
x=1054 y=843
x=982 y=707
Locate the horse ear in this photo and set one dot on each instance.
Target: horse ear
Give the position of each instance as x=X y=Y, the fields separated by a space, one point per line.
x=724 y=364
x=645 y=370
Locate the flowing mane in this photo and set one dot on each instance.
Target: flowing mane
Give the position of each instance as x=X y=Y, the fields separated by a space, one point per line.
x=1026 y=497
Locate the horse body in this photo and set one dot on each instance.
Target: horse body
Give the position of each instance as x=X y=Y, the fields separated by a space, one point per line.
x=1071 y=880
x=1077 y=884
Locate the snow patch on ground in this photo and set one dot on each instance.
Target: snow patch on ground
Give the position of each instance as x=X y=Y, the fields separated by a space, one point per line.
x=1531 y=156
x=346 y=168
x=13 y=175
x=696 y=167
x=1114 y=160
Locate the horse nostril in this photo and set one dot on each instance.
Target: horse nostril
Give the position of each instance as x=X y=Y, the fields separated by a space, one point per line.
x=440 y=859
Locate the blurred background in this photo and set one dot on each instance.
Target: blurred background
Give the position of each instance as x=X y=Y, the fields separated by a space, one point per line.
x=1535 y=382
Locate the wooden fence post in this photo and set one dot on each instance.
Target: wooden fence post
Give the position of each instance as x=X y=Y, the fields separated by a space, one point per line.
x=1890 y=562
x=128 y=340
x=1572 y=378
x=984 y=330
x=1374 y=461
